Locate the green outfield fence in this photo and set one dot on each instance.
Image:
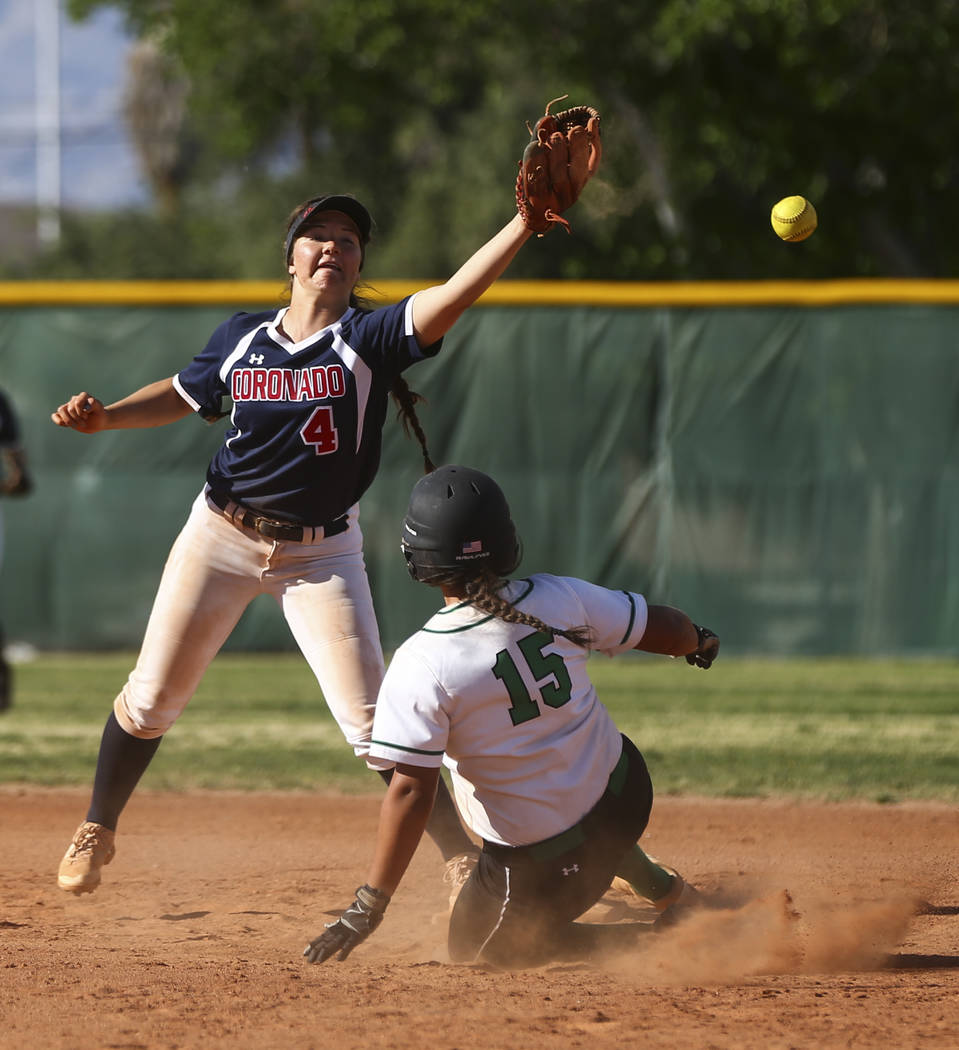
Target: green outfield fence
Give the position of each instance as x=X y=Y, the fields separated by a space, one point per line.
x=779 y=459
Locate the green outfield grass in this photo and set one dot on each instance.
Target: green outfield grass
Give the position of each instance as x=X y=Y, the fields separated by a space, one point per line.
x=880 y=730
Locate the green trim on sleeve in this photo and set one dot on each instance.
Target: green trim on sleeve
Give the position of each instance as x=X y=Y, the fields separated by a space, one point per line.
x=407 y=750
x=632 y=616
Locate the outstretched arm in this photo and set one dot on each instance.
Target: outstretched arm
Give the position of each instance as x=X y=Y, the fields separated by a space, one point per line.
x=437 y=308
x=671 y=632
x=668 y=631
x=150 y=406
x=403 y=816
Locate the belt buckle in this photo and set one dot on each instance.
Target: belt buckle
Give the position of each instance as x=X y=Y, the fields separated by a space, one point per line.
x=272 y=530
x=249 y=520
x=278 y=530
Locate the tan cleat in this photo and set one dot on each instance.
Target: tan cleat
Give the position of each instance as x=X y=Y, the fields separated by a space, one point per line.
x=620 y=885
x=91 y=848
x=458 y=870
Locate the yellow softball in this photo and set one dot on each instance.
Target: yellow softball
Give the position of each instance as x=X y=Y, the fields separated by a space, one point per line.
x=793 y=218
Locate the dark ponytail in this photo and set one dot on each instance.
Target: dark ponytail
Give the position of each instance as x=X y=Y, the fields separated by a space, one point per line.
x=406 y=400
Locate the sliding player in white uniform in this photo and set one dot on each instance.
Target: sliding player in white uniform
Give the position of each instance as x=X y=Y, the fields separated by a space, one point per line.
x=496 y=686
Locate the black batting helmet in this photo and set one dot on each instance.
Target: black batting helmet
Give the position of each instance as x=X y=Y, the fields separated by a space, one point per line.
x=458 y=519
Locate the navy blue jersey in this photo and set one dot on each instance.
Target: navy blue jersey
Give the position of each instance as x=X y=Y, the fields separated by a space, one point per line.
x=307 y=419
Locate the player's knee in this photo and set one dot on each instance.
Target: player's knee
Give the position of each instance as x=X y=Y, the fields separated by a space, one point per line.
x=144 y=714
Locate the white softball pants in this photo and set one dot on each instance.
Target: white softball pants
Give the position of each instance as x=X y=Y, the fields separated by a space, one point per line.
x=214 y=570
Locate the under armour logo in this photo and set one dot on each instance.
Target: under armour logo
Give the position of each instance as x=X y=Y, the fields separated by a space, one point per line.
x=256 y=359
x=572 y=870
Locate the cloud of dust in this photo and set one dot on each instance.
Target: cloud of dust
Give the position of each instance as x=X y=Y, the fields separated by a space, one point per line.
x=840 y=936
x=773 y=934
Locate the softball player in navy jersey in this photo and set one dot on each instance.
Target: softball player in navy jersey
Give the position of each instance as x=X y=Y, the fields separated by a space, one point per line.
x=309 y=387
x=496 y=685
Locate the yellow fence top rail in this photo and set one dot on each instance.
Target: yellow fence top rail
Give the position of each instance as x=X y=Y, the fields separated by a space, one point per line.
x=503 y=293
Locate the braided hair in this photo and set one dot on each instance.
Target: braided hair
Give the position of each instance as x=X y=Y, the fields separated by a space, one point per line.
x=481 y=588
x=406 y=400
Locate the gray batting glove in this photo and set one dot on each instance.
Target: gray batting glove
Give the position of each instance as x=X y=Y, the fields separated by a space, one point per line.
x=355 y=924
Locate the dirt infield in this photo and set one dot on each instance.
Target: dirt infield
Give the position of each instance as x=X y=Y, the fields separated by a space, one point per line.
x=194 y=939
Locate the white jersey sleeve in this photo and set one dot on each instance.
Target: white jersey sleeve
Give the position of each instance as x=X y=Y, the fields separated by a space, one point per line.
x=617 y=619
x=411 y=723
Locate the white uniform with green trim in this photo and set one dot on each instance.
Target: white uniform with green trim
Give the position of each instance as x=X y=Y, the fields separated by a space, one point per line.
x=529 y=744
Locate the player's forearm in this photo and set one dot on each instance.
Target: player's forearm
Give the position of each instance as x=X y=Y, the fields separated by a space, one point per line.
x=150 y=406
x=436 y=309
x=669 y=632
x=403 y=817
x=486 y=265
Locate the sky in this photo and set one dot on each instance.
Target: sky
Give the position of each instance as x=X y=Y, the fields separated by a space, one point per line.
x=98 y=167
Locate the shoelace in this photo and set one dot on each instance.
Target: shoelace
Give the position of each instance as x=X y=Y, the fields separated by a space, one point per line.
x=459 y=871
x=86 y=841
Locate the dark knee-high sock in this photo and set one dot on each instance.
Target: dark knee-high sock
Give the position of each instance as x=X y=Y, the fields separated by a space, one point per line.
x=123 y=759
x=444 y=826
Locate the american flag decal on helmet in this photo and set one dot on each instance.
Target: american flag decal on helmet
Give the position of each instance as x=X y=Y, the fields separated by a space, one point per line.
x=473 y=547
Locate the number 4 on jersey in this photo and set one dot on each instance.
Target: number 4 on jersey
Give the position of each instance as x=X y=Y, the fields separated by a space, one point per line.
x=542 y=666
x=320 y=432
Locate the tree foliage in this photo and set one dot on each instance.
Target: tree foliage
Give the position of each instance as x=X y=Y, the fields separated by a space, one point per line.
x=712 y=111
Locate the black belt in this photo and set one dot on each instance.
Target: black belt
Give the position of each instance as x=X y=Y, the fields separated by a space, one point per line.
x=274 y=530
